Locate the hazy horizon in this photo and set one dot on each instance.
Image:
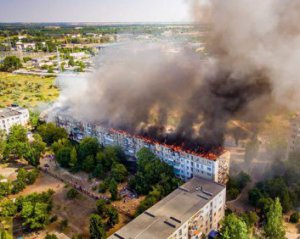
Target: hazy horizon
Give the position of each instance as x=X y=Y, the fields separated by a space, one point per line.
x=93 y=11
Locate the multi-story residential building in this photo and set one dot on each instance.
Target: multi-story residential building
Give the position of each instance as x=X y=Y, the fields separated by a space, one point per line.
x=190 y=211
x=11 y=116
x=186 y=164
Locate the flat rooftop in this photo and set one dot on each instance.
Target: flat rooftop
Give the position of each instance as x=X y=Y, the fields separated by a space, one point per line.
x=165 y=217
x=9 y=112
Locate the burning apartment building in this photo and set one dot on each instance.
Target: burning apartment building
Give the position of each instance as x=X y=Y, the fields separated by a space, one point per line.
x=186 y=163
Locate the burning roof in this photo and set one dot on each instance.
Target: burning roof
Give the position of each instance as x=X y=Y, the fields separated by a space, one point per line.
x=211 y=154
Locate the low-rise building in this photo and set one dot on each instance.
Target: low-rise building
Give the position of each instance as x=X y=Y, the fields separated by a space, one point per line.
x=12 y=116
x=192 y=210
x=25 y=46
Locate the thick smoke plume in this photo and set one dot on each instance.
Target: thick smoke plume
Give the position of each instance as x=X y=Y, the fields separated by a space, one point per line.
x=180 y=98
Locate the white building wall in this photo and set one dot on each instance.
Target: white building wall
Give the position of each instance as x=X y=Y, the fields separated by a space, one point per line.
x=21 y=117
x=204 y=221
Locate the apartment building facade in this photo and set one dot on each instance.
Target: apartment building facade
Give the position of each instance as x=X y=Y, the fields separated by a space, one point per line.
x=185 y=164
x=202 y=206
x=13 y=115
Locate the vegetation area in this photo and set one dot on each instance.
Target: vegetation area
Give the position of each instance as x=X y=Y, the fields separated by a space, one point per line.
x=242 y=226
x=34 y=209
x=104 y=219
x=284 y=185
x=154 y=178
x=26 y=91
x=24 y=178
x=10 y=64
x=236 y=184
x=17 y=145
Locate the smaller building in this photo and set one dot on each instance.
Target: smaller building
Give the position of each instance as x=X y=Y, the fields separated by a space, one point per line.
x=25 y=46
x=12 y=116
x=192 y=210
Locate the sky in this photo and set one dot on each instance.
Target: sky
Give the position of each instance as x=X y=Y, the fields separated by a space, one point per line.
x=94 y=11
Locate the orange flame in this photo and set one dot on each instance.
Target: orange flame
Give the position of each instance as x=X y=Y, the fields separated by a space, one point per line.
x=176 y=148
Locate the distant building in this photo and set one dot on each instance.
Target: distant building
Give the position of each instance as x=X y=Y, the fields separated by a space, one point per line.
x=25 y=46
x=79 y=55
x=192 y=210
x=294 y=141
x=210 y=166
x=12 y=116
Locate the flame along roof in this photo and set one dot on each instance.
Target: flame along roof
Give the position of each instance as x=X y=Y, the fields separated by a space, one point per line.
x=208 y=155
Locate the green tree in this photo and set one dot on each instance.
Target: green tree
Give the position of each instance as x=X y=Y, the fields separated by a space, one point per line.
x=114 y=154
x=149 y=201
x=34 y=119
x=251 y=219
x=152 y=172
x=17 y=142
x=145 y=155
x=98 y=171
x=2 y=143
x=274 y=228
x=294 y=218
x=254 y=196
x=51 y=133
x=17 y=186
x=119 y=172
x=101 y=206
x=57 y=145
x=11 y=63
x=104 y=160
x=113 y=189
x=8 y=208
x=264 y=205
x=97 y=229
x=5 y=189
x=233 y=228
x=103 y=186
x=113 y=217
x=35 y=214
x=73 y=158
x=88 y=146
x=273 y=188
x=35 y=150
x=88 y=164
x=63 y=224
x=51 y=236
x=72 y=193
x=63 y=156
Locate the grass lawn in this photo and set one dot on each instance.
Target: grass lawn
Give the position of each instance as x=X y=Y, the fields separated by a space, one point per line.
x=26 y=91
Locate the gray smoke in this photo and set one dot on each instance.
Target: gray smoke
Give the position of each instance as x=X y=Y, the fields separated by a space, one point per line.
x=180 y=98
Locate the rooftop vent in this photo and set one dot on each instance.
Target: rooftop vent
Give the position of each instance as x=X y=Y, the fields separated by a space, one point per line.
x=207 y=193
x=149 y=214
x=201 y=196
x=183 y=189
x=175 y=219
x=170 y=224
x=118 y=236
